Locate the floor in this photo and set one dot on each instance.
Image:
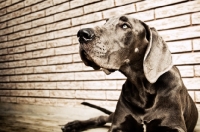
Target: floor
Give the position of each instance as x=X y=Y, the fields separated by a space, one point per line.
x=29 y=118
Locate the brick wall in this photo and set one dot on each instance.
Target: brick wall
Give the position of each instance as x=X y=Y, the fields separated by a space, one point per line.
x=39 y=60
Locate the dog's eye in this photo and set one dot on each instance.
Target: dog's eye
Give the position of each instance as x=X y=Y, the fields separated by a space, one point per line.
x=125 y=26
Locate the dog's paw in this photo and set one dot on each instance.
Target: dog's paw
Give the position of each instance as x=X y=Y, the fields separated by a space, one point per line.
x=74 y=126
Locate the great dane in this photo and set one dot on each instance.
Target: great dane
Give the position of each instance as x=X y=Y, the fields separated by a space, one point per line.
x=153 y=98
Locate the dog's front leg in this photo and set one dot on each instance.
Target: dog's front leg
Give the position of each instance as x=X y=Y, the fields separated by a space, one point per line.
x=77 y=125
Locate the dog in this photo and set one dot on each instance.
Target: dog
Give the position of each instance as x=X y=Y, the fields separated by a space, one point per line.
x=153 y=98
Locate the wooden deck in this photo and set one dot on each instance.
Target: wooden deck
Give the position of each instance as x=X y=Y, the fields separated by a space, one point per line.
x=32 y=118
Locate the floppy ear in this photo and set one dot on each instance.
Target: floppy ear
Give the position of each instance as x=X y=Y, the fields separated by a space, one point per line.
x=157 y=59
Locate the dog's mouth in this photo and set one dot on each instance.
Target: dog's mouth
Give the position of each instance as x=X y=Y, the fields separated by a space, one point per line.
x=88 y=61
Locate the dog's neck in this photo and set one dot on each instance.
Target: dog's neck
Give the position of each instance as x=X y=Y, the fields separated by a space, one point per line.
x=138 y=85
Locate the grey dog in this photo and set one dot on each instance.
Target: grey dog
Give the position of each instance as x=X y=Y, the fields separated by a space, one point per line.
x=153 y=98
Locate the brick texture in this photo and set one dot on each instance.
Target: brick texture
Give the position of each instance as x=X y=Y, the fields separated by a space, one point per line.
x=39 y=51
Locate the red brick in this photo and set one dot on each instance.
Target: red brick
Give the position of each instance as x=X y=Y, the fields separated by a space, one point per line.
x=43 y=53
x=97 y=75
x=119 y=11
x=3 y=38
x=66 y=50
x=99 y=84
x=197 y=70
x=4 y=79
x=7 y=85
x=24 y=70
x=3 y=25
x=76 y=3
x=42 y=21
x=15 y=1
x=59 y=25
x=123 y=2
x=45 y=85
x=186 y=71
x=9 y=99
x=25 y=85
x=196 y=18
x=38 y=93
x=60 y=59
x=16 y=21
x=3 y=51
x=4 y=65
x=42 y=5
x=180 y=46
x=70 y=85
x=68 y=14
x=18 y=92
x=8 y=2
x=58 y=1
x=61 y=76
x=22 y=26
x=6 y=58
x=59 y=42
x=172 y=22
x=87 y=18
x=16 y=49
x=15 y=7
x=115 y=75
x=6 y=31
x=17 y=35
x=83 y=94
x=17 y=64
x=181 y=33
x=38 y=77
x=2 y=11
x=192 y=83
x=18 y=78
x=45 y=101
x=197 y=96
x=188 y=7
x=187 y=58
x=7 y=72
x=144 y=5
x=99 y=6
x=69 y=102
x=22 y=56
x=36 y=62
x=62 y=93
x=44 y=69
x=34 y=15
x=191 y=93
x=113 y=95
x=50 y=11
x=35 y=31
x=3 y=4
x=196 y=44
x=76 y=58
x=62 y=7
x=69 y=67
x=144 y=16
x=40 y=37
x=25 y=100
x=66 y=32
x=36 y=46
x=23 y=41
x=21 y=12
x=31 y=2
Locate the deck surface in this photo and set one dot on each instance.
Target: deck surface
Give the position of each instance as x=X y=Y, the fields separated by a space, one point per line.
x=31 y=118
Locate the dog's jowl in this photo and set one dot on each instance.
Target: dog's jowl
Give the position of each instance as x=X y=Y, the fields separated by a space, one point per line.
x=153 y=98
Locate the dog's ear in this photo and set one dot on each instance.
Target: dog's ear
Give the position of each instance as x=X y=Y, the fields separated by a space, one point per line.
x=157 y=59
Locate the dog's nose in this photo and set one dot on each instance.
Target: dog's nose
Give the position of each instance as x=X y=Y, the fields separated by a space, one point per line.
x=85 y=35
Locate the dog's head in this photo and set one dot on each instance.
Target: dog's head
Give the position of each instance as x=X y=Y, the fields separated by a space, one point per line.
x=123 y=40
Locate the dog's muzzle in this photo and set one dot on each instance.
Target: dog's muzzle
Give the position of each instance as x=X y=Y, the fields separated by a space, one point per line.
x=85 y=35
